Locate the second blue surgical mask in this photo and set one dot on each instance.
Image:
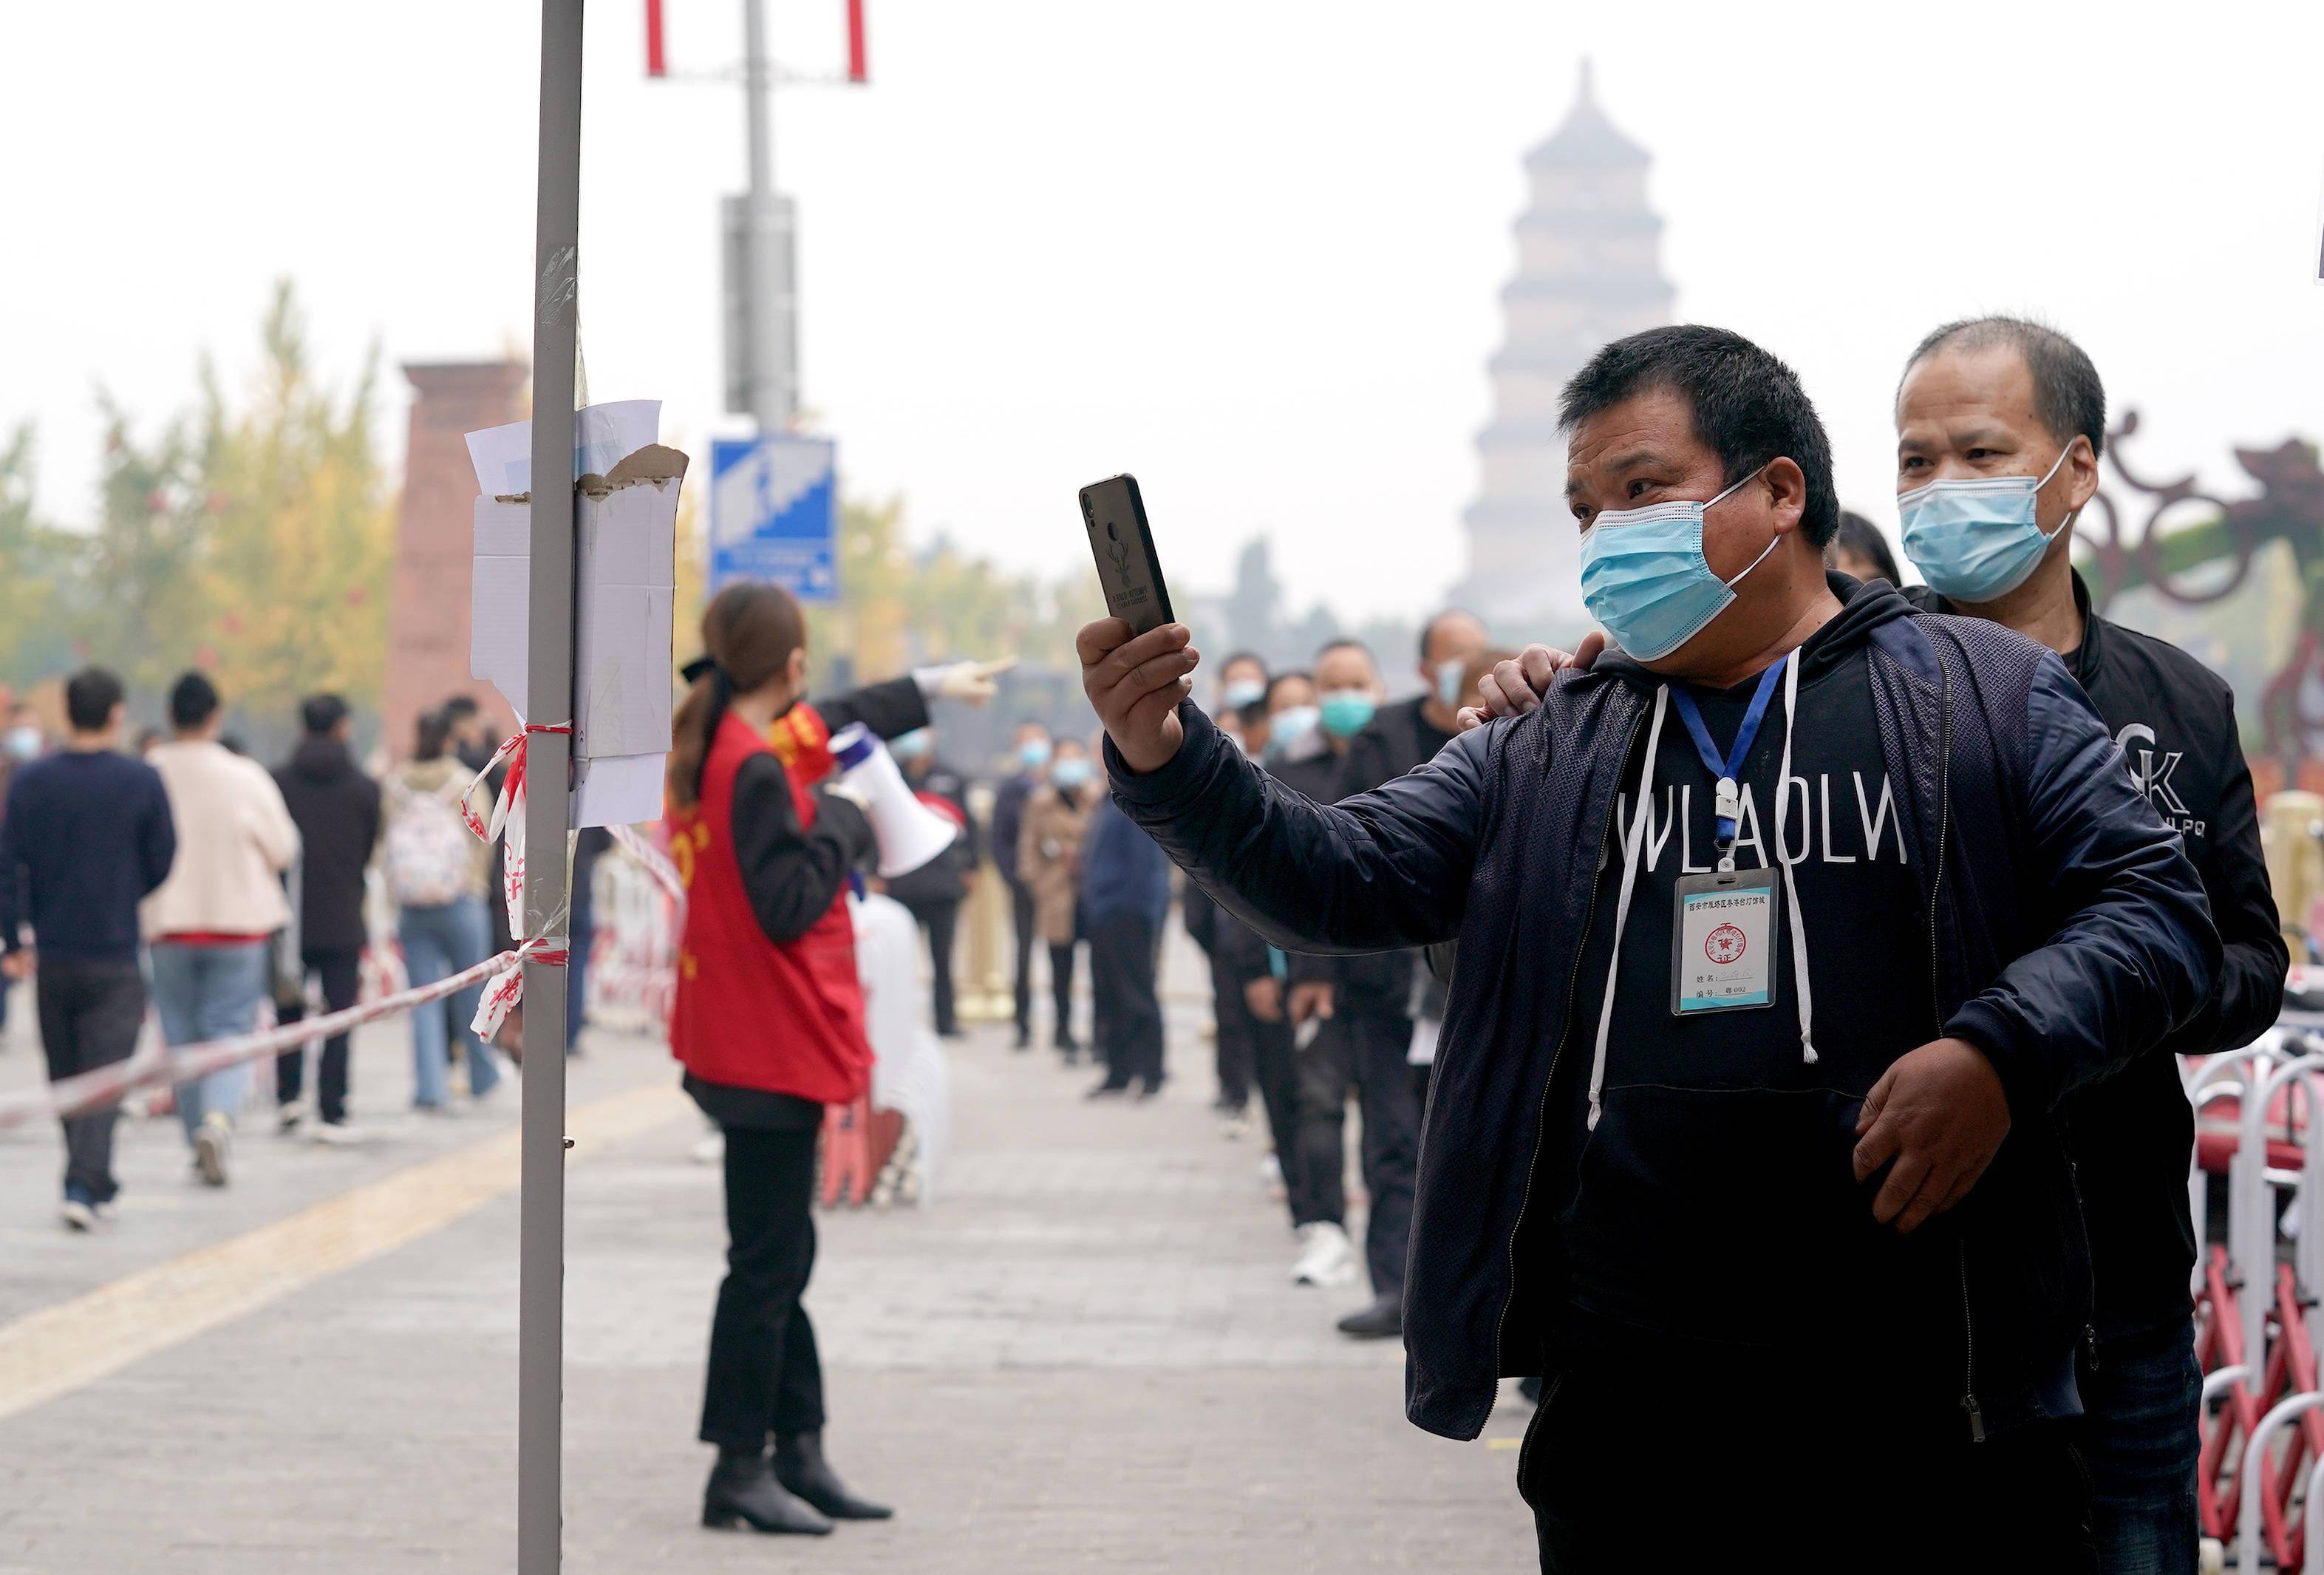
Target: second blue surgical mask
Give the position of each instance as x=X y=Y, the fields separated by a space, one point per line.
x=1070 y=773
x=1345 y=712
x=1645 y=577
x=1976 y=538
x=1449 y=674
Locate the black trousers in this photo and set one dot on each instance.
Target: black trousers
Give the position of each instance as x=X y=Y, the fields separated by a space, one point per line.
x=1021 y=918
x=90 y=1015
x=1061 y=989
x=342 y=978
x=1129 y=1011
x=1275 y=1076
x=1235 y=1020
x=1364 y=1051
x=939 y=919
x=765 y=1378
x=1758 y=1482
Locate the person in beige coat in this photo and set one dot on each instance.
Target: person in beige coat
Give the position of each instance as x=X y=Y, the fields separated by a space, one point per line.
x=1048 y=864
x=207 y=926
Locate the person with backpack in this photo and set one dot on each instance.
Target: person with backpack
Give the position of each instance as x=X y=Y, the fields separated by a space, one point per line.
x=436 y=874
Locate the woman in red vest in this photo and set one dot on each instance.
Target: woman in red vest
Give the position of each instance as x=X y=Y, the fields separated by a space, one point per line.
x=768 y=1022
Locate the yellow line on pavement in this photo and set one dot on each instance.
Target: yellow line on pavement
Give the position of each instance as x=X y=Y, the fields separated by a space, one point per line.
x=63 y=1347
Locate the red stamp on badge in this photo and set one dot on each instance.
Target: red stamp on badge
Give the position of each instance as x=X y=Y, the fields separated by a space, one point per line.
x=1724 y=946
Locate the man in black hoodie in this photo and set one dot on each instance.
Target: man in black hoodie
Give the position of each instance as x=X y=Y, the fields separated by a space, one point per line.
x=1811 y=1200
x=336 y=808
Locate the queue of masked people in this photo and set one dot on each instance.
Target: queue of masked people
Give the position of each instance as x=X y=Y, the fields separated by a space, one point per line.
x=1815 y=970
x=189 y=884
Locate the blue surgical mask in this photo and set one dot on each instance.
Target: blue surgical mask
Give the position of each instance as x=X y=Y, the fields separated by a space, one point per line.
x=1242 y=691
x=1070 y=774
x=1645 y=577
x=909 y=745
x=1033 y=753
x=1345 y=712
x=24 y=743
x=1975 y=538
x=1449 y=674
x=1288 y=725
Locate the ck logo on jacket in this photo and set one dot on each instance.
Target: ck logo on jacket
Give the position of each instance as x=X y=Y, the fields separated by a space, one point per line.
x=1833 y=817
x=2151 y=769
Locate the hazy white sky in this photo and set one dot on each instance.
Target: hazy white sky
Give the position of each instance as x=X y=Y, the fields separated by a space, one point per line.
x=1250 y=249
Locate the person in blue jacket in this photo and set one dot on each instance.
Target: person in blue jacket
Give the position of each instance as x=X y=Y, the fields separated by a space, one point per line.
x=1782 y=931
x=1125 y=896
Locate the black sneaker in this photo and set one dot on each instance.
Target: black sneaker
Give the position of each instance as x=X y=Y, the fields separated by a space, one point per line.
x=1383 y=1320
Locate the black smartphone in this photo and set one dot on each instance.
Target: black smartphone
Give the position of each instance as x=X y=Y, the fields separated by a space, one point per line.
x=1124 y=549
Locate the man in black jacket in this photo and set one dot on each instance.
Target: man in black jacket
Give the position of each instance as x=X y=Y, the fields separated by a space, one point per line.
x=336 y=808
x=1997 y=397
x=1834 y=1226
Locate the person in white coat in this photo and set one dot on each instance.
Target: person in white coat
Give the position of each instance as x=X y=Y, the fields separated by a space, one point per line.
x=207 y=926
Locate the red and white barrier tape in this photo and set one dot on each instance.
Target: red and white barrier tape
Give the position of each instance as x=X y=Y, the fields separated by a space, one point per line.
x=507 y=823
x=77 y=1095
x=656 y=863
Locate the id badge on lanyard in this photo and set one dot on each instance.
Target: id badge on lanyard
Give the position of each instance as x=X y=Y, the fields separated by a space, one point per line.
x=1724 y=924
x=1723 y=942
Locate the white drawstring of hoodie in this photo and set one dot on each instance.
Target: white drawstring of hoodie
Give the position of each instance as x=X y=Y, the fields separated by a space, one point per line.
x=1634 y=844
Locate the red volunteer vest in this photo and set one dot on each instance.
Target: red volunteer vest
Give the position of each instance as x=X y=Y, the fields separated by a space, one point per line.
x=749 y=1012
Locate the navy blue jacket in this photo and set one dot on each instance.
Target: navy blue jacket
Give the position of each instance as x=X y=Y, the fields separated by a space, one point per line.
x=2065 y=936
x=86 y=837
x=1121 y=868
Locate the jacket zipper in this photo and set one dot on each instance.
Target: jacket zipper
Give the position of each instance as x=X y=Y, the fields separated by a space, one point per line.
x=1936 y=998
x=1564 y=1028
x=2083 y=1219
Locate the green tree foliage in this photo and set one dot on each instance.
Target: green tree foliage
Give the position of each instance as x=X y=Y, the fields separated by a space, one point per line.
x=297 y=534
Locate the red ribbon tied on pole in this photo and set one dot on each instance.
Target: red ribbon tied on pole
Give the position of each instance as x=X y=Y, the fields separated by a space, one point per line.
x=507 y=823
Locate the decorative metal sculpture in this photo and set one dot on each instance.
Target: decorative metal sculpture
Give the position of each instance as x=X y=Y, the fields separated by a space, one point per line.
x=2290 y=509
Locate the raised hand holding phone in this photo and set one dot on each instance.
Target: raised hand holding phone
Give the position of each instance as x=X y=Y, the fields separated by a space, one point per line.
x=1134 y=683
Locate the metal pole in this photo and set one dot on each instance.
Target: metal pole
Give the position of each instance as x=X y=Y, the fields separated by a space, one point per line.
x=548 y=700
x=770 y=312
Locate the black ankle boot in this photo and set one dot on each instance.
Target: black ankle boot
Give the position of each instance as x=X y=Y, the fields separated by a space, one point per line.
x=742 y=1491
x=800 y=1466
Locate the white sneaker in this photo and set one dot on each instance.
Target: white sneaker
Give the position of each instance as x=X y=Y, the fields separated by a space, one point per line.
x=1327 y=1257
x=291 y=1117
x=336 y=1134
x=213 y=1144
x=711 y=1150
x=77 y=1215
x=1270 y=1170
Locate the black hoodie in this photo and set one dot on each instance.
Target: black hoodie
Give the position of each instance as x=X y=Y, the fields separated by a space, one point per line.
x=336 y=808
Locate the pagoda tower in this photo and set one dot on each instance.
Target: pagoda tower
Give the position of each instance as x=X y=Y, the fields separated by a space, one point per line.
x=1588 y=271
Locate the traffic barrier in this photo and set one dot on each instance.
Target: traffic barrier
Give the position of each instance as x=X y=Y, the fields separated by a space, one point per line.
x=2253 y=1335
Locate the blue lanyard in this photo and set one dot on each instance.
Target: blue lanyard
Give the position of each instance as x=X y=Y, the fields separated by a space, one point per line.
x=1727 y=770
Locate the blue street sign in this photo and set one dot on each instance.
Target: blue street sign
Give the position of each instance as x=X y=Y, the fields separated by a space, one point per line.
x=774 y=513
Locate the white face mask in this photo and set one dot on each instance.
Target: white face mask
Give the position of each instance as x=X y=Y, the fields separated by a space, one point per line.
x=24 y=743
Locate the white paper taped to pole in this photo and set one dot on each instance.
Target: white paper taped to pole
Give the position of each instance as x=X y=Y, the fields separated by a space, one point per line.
x=625 y=592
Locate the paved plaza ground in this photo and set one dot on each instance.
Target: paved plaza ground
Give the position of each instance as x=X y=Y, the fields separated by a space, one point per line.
x=1083 y=1354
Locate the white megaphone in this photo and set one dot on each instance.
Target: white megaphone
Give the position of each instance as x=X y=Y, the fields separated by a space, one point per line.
x=909 y=832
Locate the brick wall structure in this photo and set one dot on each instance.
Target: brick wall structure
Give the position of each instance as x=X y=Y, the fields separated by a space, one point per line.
x=428 y=612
